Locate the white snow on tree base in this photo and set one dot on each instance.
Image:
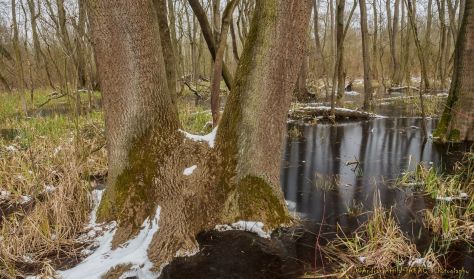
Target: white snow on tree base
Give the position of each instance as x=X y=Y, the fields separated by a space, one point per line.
x=250 y=226
x=96 y=198
x=209 y=138
x=190 y=170
x=291 y=205
x=132 y=252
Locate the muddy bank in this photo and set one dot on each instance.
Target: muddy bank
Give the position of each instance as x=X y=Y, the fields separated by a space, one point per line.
x=240 y=254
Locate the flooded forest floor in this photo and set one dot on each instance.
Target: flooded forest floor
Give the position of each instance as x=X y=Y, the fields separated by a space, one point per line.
x=370 y=197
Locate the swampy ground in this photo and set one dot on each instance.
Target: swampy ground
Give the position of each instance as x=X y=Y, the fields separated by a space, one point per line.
x=344 y=183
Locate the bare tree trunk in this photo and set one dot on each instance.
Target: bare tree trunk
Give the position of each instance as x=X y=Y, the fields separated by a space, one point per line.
x=168 y=53
x=339 y=74
x=419 y=48
x=80 y=46
x=235 y=50
x=34 y=32
x=456 y=123
x=338 y=79
x=216 y=19
x=424 y=76
x=395 y=62
x=375 y=42
x=5 y=83
x=20 y=79
x=427 y=39
x=27 y=56
x=365 y=56
x=452 y=18
x=219 y=61
x=320 y=61
x=301 y=92
x=462 y=8
x=442 y=59
x=174 y=40
x=332 y=31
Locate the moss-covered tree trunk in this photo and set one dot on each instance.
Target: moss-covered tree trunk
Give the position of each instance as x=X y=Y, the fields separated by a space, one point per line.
x=252 y=128
x=237 y=180
x=457 y=121
x=141 y=119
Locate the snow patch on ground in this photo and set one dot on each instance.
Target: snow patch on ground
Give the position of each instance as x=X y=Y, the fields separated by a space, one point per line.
x=250 y=226
x=209 y=138
x=25 y=199
x=421 y=262
x=462 y=196
x=4 y=194
x=49 y=188
x=11 y=148
x=352 y=93
x=132 y=252
x=190 y=170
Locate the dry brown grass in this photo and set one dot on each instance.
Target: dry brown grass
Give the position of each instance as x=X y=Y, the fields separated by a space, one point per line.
x=40 y=235
x=379 y=244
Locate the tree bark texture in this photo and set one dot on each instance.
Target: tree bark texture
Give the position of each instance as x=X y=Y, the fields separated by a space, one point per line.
x=249 y=137
x=236 y=180
x=457 y=122
x=168 y=53
x=365 y=55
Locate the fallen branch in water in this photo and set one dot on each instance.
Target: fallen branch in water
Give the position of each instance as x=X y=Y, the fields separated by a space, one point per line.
x=325 y=112
x=401 y=88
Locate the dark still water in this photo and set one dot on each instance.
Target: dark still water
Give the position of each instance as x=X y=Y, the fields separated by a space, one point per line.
x=345 y=164
x=331 y=174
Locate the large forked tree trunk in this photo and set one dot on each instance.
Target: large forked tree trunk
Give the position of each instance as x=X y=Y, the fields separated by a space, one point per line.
x=457 y=121
x=237 y=180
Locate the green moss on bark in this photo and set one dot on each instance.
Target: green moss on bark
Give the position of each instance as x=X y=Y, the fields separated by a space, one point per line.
x=131 y=198
x=256 y=200
x=454 y=135
x=441 y=131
